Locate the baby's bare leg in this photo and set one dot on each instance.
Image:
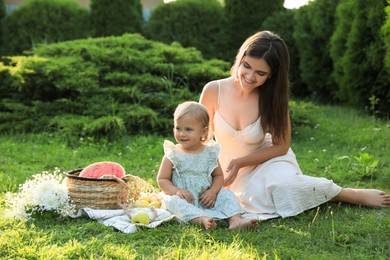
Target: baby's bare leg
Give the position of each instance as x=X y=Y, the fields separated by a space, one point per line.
x=366 y=197
x=208 y=223
x=237 y=222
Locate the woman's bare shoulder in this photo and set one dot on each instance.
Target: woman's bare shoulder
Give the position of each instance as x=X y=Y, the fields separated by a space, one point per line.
x=212 y=86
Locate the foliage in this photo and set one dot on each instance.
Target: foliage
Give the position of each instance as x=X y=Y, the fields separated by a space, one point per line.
x=246 y=17
x=38 y=22
x=192 y=23
x=358 y=54
x=313 y=29
x=280 y=23
x=301 y=113
x=385 y=30
x=365 y=165
x=2 y=15
x=2 y=9
x=114 y=18
x=101 y=87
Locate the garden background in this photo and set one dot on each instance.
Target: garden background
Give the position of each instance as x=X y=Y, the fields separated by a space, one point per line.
x=79 y=85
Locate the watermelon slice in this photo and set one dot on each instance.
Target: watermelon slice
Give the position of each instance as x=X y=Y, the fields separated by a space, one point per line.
x=97 y=170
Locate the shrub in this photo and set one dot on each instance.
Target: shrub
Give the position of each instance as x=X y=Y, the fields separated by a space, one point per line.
x=281 y=23
x=192 y=23
x=246 y=17
x=2 y=15
x=301 y=113
x=109 y=126
x=38 y=22
x=102 y=87
x=313 y=30
x=357 y=52
x=386 y=36
x=2 y=9
x=114 y=18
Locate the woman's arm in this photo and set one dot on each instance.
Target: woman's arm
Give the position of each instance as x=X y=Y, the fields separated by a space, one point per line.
x=208 y=98
x=278 y=148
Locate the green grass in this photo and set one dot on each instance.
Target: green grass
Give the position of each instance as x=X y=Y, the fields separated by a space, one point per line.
x=332 y=231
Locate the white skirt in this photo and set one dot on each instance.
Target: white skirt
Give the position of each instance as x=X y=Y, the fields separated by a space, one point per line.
x=278 y=188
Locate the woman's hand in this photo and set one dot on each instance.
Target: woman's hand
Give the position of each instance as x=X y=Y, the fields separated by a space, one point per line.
x=232 y=171
x=208 y=199
x=185 y=194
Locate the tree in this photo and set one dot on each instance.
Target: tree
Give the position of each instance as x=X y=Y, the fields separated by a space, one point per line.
x=196 y=23
x=41 y=22
x=2 y=15
x=386 y=36
x=361 y=74
x=114 y=18
x=283 y=23
x=245 y=18
x=313 y=30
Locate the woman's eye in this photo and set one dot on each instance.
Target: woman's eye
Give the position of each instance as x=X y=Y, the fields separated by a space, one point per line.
x=246 y=65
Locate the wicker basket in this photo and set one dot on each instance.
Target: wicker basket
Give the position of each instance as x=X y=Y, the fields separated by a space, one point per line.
x=109 y=192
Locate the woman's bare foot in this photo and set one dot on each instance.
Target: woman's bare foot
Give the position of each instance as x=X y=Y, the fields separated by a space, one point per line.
x=366 y=197
x=208 y=223
x=236 y=222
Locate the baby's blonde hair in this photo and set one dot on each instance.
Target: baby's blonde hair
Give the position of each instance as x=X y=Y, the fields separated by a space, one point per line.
x=195 y=109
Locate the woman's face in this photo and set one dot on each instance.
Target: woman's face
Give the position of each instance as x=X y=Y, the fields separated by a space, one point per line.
x=253 y=72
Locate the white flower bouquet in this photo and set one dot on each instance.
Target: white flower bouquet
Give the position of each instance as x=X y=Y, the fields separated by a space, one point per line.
x=45 y=195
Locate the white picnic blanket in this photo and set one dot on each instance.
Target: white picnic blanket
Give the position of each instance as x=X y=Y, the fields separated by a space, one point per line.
x=119 y=220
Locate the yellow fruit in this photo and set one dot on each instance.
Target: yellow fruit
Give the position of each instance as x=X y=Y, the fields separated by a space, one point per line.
x=145 y=198
x=140 y=217
x=151 y=197
x=155 y=204
x=141 y=203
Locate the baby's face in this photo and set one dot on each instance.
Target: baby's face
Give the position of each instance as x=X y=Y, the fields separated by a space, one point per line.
x=188 y=132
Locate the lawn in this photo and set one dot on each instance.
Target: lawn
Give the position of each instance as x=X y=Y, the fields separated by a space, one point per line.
x=344 y=145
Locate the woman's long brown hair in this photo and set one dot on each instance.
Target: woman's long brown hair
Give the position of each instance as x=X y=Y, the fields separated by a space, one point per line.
x=274 y=93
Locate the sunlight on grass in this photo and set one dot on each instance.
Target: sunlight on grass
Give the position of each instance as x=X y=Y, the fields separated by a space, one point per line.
x=212 y=249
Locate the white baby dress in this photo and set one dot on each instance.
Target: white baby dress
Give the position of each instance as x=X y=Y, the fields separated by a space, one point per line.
x=193 y=172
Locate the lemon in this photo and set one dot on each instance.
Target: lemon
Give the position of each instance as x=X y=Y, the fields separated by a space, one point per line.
x=155 y=204
x=141 y=203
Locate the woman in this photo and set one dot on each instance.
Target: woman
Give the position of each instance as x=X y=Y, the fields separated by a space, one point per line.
x=250 y=120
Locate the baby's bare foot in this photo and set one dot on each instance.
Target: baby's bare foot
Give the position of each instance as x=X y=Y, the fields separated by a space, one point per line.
x=209 y=223
x=206 y=222
x=243 y=224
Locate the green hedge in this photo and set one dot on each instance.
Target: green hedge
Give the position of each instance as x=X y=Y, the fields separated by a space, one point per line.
x=196 y=23
x=358 y=52
x=38 y=22
x=102 y=87
x=314 y=25
x=114 y=18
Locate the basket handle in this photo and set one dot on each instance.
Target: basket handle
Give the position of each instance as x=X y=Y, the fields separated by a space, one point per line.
x=113 y=177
